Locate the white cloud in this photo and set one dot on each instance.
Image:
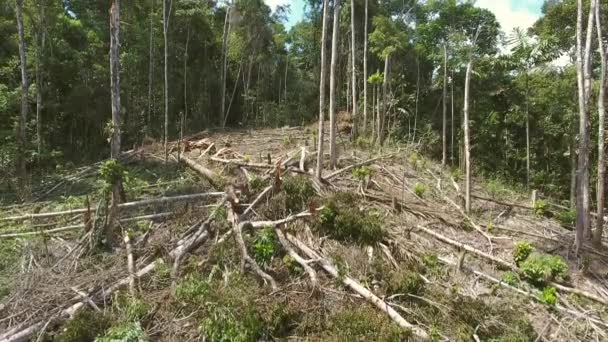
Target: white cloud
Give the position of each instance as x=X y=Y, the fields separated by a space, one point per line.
x=506 y=16
x=274 y=3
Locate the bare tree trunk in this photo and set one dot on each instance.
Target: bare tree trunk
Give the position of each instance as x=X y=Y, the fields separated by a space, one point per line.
x=452 y=121
x=40 y=42
x=21 y=137
x=581 y=213
x=185 y=118
x=225 y=63
x=444 y=158
x=527 y=133
x=151 y=68
x=354 y=68
x=365 y=70
x=373 y=112
x=601 y=163
x=166 y=16
x=319 y=170
x=333 y=157
x=586 y=138
x=573 y=173
x=286 y=68
x=467 y=145
x=115 y=97
x=381 y=112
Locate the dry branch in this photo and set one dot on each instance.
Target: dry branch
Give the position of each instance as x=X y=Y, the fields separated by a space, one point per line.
x=210 y=175
x=350 y=167
x=355 y=286
x=292 y=253
x=238 y=236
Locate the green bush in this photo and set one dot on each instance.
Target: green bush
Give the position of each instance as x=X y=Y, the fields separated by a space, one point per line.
x=361 y=173
x=126 y=332
x=567 y=217
x=192 y=289
x=265 y=245
x=131 y=308
x=342 y=220
x=257 y=184
x=364 y=324
x=540 y=268
x=299 y=190
x=548 y=296
x=419 y=189
x=363 y=142
x=540 y=208
x=413 y=159
x=405 y=282
x=521 y=251
x=226 y=324
x=510 y=278
x=85 y=326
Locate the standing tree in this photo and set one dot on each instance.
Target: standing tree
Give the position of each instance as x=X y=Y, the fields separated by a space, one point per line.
x=444 y=135
x=40 y=44
x=151 y=67
x=601 y=153
x=325 y=19
x=332 y=86
x=365 y=69
x=166 y=17
x=354 y=66
x=225 y=63
x=20 y=134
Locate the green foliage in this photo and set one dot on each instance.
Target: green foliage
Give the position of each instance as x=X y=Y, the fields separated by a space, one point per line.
x=363 y=142
x=361 y=173
x=131 y=308
x=225 y=324
x=364 y=323
x=548 y=296
x=286 y=141
x=540 y=208
x=413 y=159
x=299 y=190
x=404 y=282
x=342 y=220
x=291 y=264
x=126 y=332
x=85 y=326
x=192 y=289
x=510 y=278
x=257 y=184
x=567 y=217
x=521 y=251
x=265 y=245
x=419 y=189
x=540 y=268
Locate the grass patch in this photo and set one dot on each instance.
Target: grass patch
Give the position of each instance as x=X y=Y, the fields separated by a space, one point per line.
x=85 y=326
x=521 y=251
x=363 y=323
x=125 y=332
x=540 y=268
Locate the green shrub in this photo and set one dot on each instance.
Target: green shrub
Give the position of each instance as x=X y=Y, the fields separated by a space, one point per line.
x=131 y=308
x=540 y=208
x=567 y=217
x=85 y=326
x=548 y=296
x=510 y=278
x=521 y=251
x=413 y=159
x=361 y=173
x=126 y=332
x=540 y=268
x=405 y=282
x=265 y=245
x=299 y=190
x=342 y=220
x=112 y=171
x=363 y=142
x=257 y=184
x=419 y=189
x=224 y=323
x=286 y=141
x=193 y=289
x=291 y=264
x=364 y=324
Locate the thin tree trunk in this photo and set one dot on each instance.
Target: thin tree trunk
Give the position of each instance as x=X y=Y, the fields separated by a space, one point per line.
x=601 y=163
x=236 y=85
x=225 y=64
x=286 y=68
x=573 y=173
x=333 y=157
x=587 y=82
x=467 y=146
x=416 y=101
x=185 y=118
x=581 y=216
x=373 y=112
x=354 y=68
x=319 y=170
x=116 y=129
x=21 y=133
x=381 y=112
x=166 y=16
x=365 y=70
x=452 y=121
x=444 y=158
x=527 y=132
x=150 y=68
x=40 y=42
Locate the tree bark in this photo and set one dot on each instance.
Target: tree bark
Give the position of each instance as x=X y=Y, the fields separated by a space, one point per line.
x=444 y=158
x=225 y=63
x=587 y=83
x=320 y=155
x=150 y=68
x=581 y=211
x=21 y=133
x=527 y=131
x=381 y=112
x=185 y=117
x=365 y=70
x=452 y=121
x=353 y=87
x=417 y=95
x=467 y=145
x=601 y=163
x=166 y=16
x=333 y=156
x=40 y=42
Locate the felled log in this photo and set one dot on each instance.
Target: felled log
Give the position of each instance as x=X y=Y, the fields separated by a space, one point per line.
x=210 y=175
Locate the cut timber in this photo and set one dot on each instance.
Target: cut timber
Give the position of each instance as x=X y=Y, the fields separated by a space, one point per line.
x=127 y=205
x=355 y=286
x=350 y=167
x=238 y=236
x=278 y=223
x=211 y=176
x=292 y=253
x=508 y=265
x=502 y=203
x=242 y=163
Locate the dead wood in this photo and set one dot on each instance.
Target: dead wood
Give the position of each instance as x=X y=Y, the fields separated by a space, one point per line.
x=350 y=167
x=292 y=253
x=213 y=178
x=238 y=236
x=358 y=288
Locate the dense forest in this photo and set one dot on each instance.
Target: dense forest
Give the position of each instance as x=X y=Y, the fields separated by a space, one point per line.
x=86 y=87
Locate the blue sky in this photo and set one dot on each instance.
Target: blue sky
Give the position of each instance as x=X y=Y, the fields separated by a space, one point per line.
x=510 y=13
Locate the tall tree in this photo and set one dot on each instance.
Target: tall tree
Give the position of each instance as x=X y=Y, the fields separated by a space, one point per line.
x=320 y=155
x=225 y=63
x=353 y=87
x=166 y=17
x=151 y=67
x=587 y=140
x=365 y=68
x=601 y=153
x=21 y=137
x=332 y=86
x=444 y=135
x=40 y=44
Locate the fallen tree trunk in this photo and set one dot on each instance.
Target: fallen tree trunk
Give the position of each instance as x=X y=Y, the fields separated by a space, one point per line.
x=350 y=167
x=358 y=288
x=127 y=205
x=213 y=178
x=508 y=265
